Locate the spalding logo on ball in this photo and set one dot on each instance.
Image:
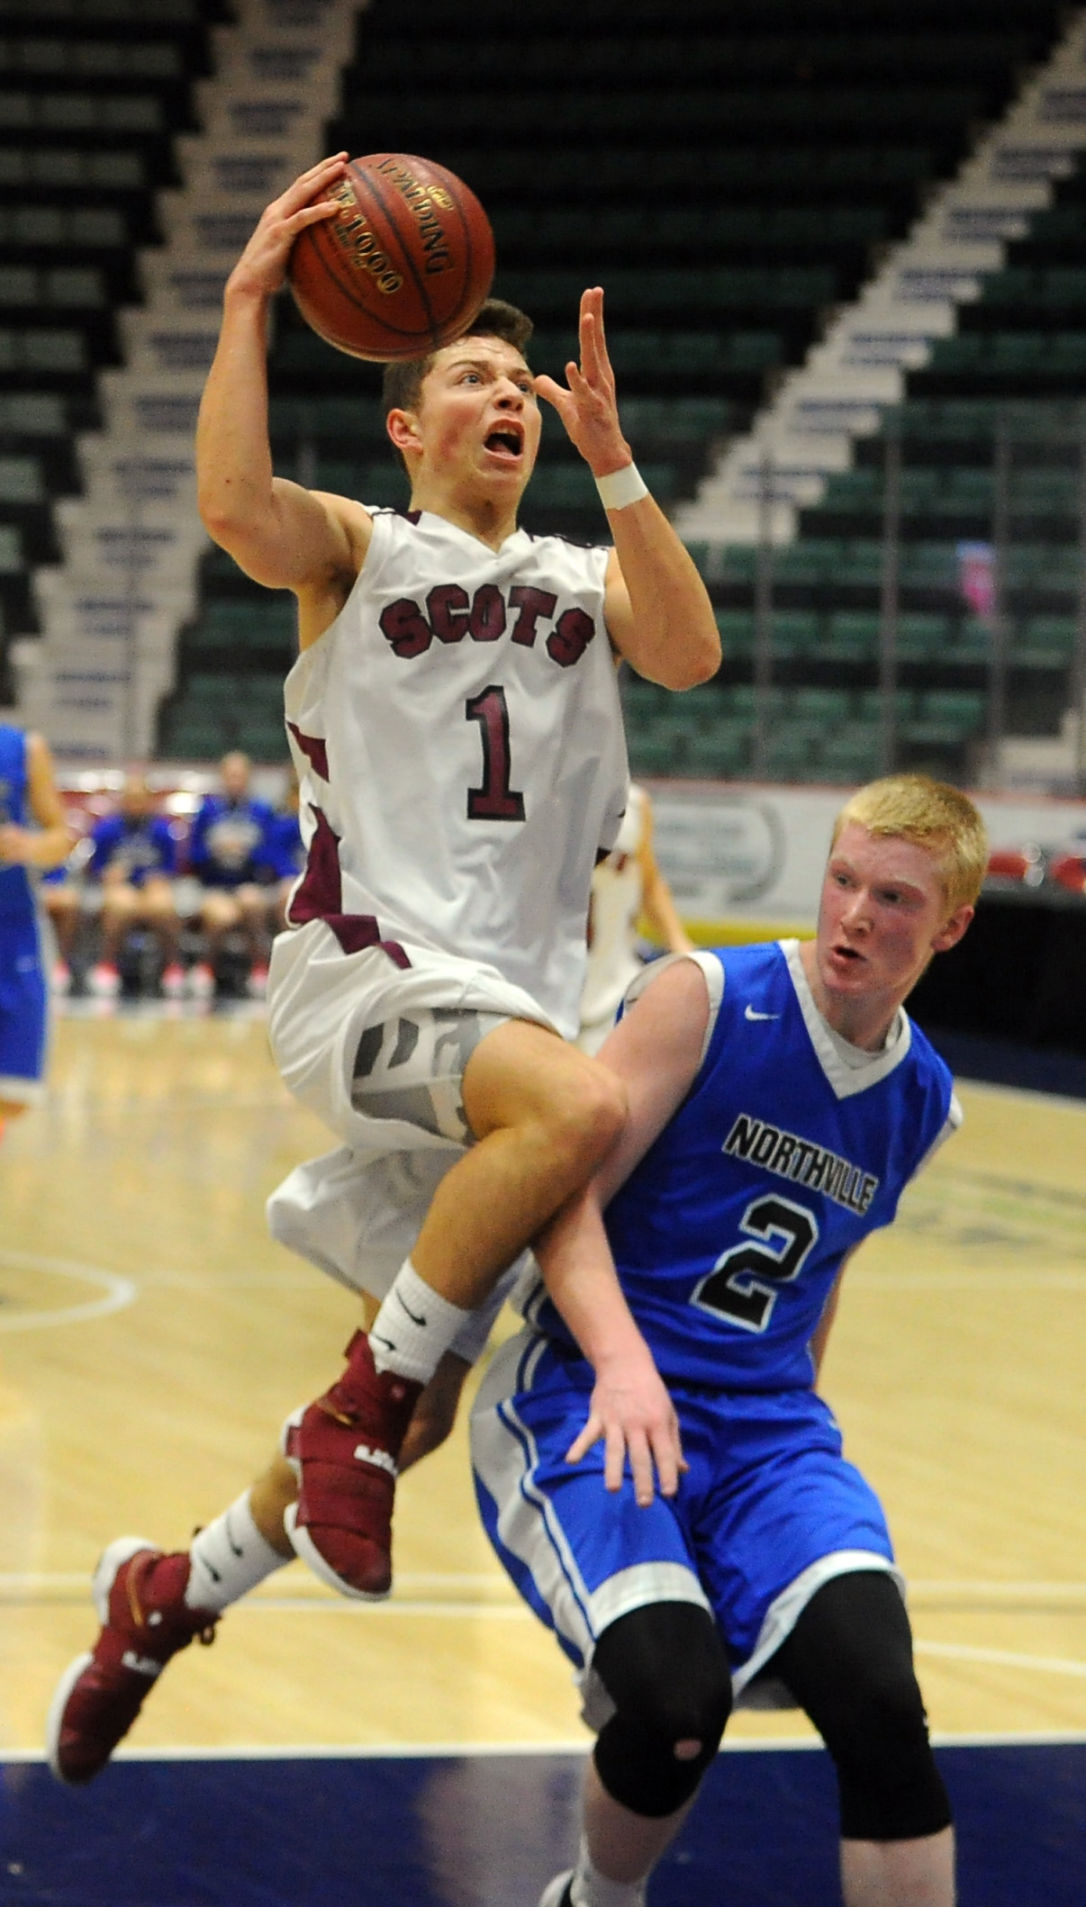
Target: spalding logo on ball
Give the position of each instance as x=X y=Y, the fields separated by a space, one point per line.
x=403 y=266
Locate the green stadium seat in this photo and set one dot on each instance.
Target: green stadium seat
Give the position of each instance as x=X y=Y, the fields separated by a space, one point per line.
x=791 y=750
x=736 y=628
x=653 y=754
x=809 y=560
x=852 y=635
x=852 y=755
x=947 y=716
x=922 y=636
x=722 y=751
x=1045 y=641
x=826 y=706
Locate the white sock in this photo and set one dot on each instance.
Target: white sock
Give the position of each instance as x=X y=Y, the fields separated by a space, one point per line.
x=414 y=1327
x=228 y=1558
x=590 y=1888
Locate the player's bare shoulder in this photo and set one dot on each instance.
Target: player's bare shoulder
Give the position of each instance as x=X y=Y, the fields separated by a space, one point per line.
x=324 y=593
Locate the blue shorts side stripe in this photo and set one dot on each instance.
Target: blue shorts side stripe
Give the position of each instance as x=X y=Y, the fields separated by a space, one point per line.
x=525 y=1532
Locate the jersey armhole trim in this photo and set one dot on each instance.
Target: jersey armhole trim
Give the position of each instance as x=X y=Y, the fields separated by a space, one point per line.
x=712 y=970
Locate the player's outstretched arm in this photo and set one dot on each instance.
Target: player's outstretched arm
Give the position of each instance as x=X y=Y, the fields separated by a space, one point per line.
x=630 y=1411
x=656 y=1050
x=658 y=611
x=280 y=533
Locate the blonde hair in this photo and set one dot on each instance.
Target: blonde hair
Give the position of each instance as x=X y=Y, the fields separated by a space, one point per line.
x=934 y=815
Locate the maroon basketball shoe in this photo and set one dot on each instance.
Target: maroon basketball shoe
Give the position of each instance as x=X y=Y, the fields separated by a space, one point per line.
x=139 y=1594
x=343 y=1451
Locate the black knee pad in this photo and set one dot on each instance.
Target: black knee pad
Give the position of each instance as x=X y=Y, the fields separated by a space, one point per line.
x=849 y=1663
x=665 y=1669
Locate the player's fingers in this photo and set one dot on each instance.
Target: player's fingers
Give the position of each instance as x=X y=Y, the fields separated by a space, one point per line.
x=590 y=1434
x=641 y=1467
x=308 y=183
x=594 y=359
x=590 y=348
x=668 y=1457
x=614 y=1461
x=553 y=393
x=312 y=214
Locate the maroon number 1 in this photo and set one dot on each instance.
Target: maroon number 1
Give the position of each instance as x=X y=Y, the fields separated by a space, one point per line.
x=495 y=800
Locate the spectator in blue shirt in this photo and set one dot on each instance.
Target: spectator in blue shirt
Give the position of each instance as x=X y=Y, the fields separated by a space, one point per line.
x=229 y=857
x=286 y=855
x=133 y=862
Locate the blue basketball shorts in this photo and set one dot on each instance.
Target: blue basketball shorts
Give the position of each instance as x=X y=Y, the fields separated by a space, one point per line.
x=24 y=1008
x=768 y=1511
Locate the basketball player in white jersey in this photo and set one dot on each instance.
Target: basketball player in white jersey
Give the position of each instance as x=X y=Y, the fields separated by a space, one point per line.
x=628 y=887
x=455 y=726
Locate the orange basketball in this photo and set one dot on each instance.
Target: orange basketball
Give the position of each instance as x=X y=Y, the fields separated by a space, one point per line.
x=404 y=265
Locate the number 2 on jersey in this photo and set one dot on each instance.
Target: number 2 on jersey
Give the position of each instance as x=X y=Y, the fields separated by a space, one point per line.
x=737 y=1288
x=495 y=800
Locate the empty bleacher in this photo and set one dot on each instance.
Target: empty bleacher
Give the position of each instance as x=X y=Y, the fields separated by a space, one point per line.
x=731 y=177
x=92 y=96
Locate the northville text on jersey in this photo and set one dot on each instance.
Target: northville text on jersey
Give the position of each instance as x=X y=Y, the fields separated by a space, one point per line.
x=801 y=1161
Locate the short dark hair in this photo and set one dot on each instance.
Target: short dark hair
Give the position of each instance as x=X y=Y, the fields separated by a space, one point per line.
x=402 y=380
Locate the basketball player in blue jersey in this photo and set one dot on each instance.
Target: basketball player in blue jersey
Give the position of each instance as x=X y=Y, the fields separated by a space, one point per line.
x=780 y=1100
x=34 y=836
x=455 y=725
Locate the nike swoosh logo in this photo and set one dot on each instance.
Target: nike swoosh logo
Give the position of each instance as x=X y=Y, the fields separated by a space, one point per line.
x=414 y=1317
x=753 y=1014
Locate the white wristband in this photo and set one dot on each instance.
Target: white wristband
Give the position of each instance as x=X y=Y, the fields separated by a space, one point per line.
x=621 y=487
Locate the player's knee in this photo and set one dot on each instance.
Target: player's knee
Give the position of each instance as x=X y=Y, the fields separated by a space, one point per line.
x=589 y=1119
x=849 y=1661
x=665 y=1669
x=890 y=1786
x=649 y=1773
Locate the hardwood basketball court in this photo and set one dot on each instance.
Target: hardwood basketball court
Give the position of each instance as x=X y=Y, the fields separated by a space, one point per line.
x=153 y=1337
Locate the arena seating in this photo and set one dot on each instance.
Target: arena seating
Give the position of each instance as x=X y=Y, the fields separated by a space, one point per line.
x=731 y=182
x=1010 y=376
x=91 y=99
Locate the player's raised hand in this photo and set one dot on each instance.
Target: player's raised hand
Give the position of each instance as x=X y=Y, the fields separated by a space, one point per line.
x=263 y=264
x=632 y=1413
x=588 y=407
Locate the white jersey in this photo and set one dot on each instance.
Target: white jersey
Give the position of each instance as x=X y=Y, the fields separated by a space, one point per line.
x=618 y=892
x=458 y=738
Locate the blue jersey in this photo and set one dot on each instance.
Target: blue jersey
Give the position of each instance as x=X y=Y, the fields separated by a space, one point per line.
x=141 y=845
x=284 y=850
x=24 y=995
x=729 y=1235
x=229 y=841
x=18 y=884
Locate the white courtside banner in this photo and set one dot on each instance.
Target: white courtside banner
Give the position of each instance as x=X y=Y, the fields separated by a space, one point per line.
x=750 y=855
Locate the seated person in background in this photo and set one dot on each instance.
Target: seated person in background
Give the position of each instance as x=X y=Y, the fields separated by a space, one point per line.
x=61 y=895
x=133 y=862
x=285 y=855
x=228 y=853
x=627 y=888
